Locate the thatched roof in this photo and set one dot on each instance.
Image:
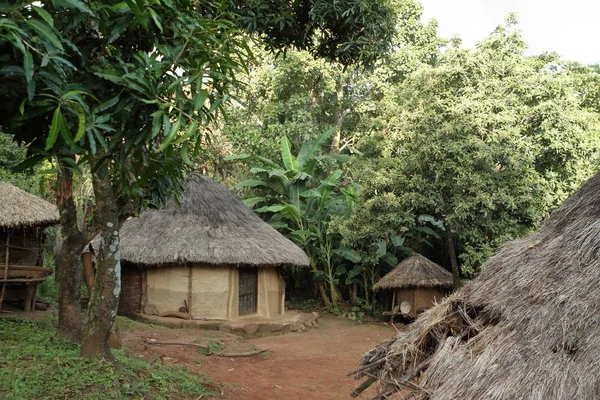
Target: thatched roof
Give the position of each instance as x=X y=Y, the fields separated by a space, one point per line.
x=526 y=328
x=415 y=271
x=19 y=208
x=211 y=226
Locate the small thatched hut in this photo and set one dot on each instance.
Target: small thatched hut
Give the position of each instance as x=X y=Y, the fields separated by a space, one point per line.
x=526 y=328
x=23 y=218
x=211 y=257
x=417 y=284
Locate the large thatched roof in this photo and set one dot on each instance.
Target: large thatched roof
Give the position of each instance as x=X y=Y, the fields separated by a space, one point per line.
x=211 y=226
x=415 y=271
x=527 y=328
x=19 y=208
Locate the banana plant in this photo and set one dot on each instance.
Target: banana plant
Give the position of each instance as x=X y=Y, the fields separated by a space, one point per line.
x=296 y=201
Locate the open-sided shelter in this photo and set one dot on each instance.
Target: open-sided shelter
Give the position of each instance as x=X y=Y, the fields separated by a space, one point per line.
x=210 y=257
x=525 y=328
x=23 y=217
x=416 y=284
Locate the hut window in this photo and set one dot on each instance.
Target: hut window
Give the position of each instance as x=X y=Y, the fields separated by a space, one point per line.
x=248 y=287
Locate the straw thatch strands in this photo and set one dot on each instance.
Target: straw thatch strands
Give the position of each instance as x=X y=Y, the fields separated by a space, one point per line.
x=210 y=226
x=416 y=284
x=526 y=328
x=19 y=208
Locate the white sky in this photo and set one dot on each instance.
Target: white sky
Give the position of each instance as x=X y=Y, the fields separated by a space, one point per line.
x=571 y=28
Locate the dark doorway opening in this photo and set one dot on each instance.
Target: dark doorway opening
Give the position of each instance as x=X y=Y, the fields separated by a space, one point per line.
x=248 y=288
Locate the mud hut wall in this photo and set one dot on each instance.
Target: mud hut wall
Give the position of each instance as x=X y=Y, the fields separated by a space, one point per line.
x=215 y=290
x=210 y=291
x=281 y=305
x=167 y=287
x=427 y=297
x=272 y=290
x=25 y=246
x=130 y=301
x=268 y=301
x=407 y=294
x=419 y=297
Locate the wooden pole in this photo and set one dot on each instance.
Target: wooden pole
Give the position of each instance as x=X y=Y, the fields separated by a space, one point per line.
x=189 y=305
x=393 y=300
x=7 y=251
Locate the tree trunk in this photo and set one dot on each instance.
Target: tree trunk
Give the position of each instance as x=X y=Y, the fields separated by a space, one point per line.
x=332 y=292
x=104 y=301
x=354 y=293
x=67 y=263
x=453 y=258
x=323 y=293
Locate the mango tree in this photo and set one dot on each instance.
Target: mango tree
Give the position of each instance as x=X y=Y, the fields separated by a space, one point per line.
x=127 y=87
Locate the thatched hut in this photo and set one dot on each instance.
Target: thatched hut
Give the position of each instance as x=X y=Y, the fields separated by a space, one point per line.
x=210 y=257
x=416 y=284
x=23 y=218
x=526 y=328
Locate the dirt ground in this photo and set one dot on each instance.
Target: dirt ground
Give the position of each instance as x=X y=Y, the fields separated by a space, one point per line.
x=310 y=365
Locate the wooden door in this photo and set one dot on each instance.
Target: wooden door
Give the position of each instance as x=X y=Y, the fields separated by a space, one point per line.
x=248 y=287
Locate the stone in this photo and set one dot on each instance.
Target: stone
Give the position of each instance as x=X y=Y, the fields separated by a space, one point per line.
x=269 y=327
x=286 y=328
x=251 y=329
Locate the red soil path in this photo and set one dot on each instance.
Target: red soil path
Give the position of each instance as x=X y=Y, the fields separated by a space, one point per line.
x=310 y=365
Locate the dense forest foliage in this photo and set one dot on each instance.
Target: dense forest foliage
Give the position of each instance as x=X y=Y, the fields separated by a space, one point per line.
x=438 y=149
x=362 y=136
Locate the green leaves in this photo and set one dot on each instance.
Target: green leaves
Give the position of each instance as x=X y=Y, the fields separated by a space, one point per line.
x=44 y=14
x=290 y=162
x=56 y=126
x=76 y=4
x=46 y=33
x=28 y=66
x=250 y=183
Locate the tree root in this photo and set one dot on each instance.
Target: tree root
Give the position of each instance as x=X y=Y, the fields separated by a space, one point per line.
x=208 y=351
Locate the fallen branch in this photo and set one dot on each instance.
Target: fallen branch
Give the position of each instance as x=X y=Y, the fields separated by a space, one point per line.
x=249 y=353
x=208 y=351
x=175 y=314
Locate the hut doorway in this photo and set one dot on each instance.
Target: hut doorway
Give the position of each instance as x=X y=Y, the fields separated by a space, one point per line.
x=248 y=288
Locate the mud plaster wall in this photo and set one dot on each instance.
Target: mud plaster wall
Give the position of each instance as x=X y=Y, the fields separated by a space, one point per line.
x=268 y=302
x=419 y=297
x=215 y=291
x=272 y=290
x=210 y=291
x=167 y=287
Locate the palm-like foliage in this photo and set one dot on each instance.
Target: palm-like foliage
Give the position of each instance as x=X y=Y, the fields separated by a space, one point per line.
x=296 y=201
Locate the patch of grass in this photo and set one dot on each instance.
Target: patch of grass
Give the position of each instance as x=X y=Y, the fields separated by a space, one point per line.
x=36 y=365
x=213 y=347
x=128 y=324
x=216 y=347
x=210 y=335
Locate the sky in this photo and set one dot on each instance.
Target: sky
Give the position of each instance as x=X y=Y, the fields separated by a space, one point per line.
x=569 y=28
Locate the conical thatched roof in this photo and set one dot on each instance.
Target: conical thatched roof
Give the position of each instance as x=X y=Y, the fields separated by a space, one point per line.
x=415 y=271
x=211 y=226
x=527 y=328
x=19 y=208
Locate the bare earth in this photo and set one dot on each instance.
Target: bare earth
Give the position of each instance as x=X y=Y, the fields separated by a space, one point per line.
x=311 y=365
